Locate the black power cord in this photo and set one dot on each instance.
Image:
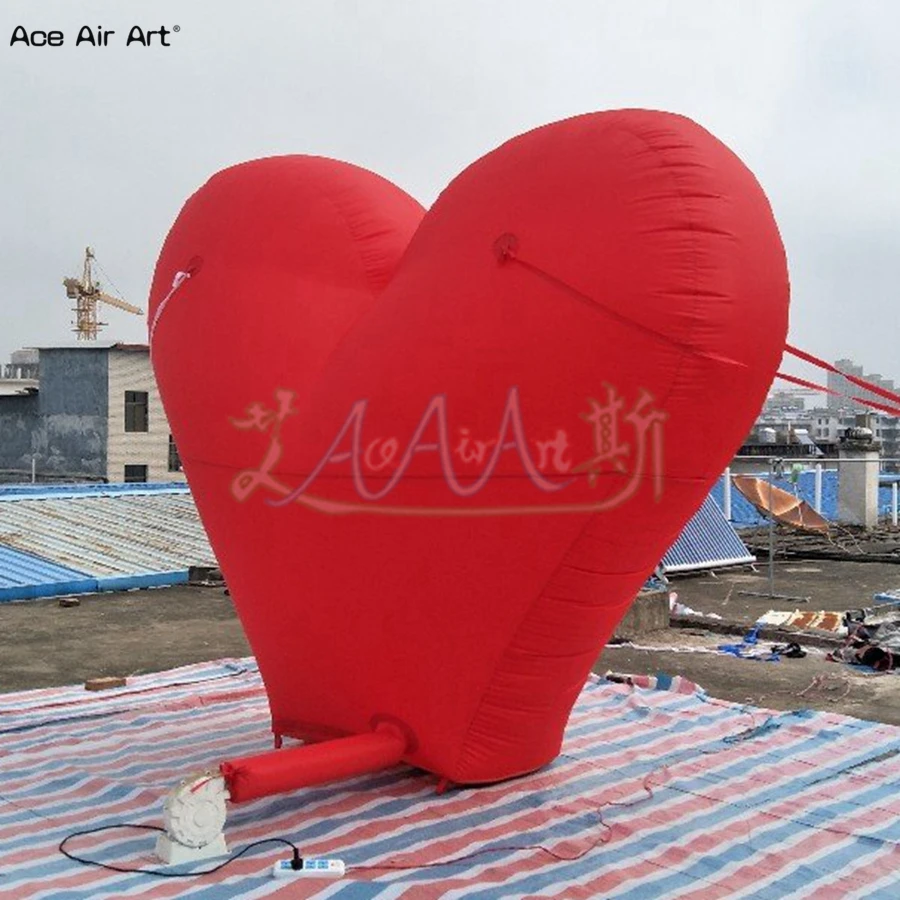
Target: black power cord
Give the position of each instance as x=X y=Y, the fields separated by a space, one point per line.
x=297 y=859
x=296 y=862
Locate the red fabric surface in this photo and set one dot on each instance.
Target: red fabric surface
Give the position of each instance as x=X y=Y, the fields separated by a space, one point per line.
x=438 y=454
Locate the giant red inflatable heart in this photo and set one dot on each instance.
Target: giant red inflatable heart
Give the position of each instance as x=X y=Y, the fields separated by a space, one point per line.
x=438 y=453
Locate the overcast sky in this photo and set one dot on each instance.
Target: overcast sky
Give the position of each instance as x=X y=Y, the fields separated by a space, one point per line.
x=101 y=146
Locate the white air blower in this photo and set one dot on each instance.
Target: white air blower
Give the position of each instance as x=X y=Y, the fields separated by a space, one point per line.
x=194 y=816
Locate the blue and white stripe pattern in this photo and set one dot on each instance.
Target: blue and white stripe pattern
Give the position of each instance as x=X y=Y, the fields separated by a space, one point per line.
x=655 y=795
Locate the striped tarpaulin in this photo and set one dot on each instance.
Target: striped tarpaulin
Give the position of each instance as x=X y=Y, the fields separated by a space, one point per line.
x=656 y=794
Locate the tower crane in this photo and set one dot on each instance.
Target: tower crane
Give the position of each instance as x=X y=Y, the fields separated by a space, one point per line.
x=86 y=293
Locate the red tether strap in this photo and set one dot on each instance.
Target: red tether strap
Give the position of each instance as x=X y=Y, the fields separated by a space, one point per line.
x=873 y=388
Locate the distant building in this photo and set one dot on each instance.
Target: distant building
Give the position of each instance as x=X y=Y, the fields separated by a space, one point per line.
x=818 y=432
x=19 y=377
x=92 y=414
x=841 y=412
x=847 y=391
x=22 y=365
x=781 y=401
x=785 y=425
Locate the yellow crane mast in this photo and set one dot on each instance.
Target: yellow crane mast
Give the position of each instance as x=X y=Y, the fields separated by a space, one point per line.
x=87 y=294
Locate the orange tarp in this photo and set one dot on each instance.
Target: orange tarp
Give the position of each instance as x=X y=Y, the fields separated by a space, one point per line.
x=781 y=505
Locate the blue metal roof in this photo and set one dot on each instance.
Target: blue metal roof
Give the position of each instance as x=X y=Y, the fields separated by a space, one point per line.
x=23 y=576
x=744 y=513
x=63 y=539
x=57 y=491
x=707 y=542
x=66 y=539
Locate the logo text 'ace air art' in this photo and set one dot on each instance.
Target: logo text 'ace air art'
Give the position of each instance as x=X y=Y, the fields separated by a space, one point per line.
x=627 y=442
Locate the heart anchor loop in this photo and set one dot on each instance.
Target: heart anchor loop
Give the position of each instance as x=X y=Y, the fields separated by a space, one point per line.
x=506 y=247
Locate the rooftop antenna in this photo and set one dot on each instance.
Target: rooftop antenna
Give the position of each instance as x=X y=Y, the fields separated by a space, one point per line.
x=87 y=294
